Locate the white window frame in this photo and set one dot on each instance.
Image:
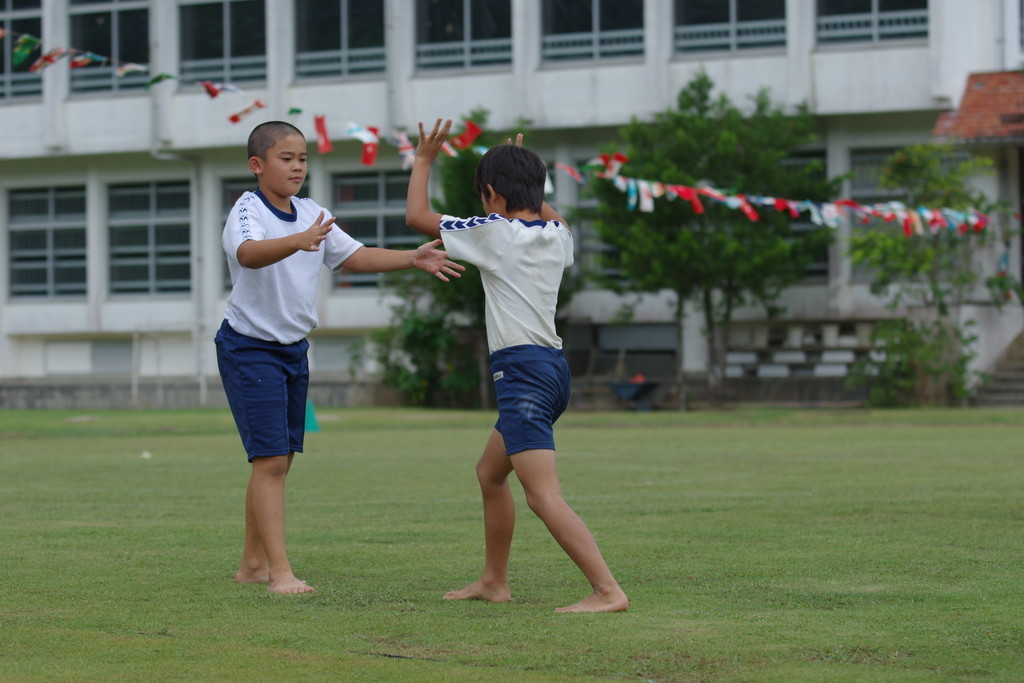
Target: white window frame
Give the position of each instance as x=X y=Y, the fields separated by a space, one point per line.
x=153 y=254
x=103 y=77
x=52 y=259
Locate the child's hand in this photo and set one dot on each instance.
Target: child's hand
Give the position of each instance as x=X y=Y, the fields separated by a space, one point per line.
x=311 y=239
x=519 y=140
x=435 y=261
x=429 y=145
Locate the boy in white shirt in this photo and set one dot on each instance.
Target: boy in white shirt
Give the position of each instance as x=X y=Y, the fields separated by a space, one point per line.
x=521 y=247
x=276 y=245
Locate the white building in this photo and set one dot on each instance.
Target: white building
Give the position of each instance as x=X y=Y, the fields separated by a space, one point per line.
x=112 y=194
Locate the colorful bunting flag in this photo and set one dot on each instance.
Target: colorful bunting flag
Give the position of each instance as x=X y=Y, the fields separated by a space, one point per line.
x=323 y=140
x=466 y=138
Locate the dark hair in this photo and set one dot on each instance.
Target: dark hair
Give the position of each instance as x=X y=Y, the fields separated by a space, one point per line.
x=266 y=135
x=516 y=173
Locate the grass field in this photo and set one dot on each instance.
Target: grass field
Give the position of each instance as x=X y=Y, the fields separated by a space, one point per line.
x=755 y=545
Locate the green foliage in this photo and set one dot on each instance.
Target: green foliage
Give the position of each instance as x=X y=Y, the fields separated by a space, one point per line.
x=931 y=272
x=719 y=257
x=914 y=363
x=421 y=357
x=937 y=269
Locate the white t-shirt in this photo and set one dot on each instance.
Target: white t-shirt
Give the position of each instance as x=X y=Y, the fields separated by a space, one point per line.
x=278 y=302
x=521 y=264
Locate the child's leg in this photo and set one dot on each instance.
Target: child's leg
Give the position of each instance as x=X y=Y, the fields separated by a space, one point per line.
x=536 y=471
x=492 y=472
x=254 y=567
x=265 y=508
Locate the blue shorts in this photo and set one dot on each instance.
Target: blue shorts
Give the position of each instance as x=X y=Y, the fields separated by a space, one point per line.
x=266 y=385
x=532 y=386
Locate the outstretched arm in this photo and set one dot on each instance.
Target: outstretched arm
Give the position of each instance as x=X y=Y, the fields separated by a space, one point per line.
x=418 y=214
x=426 y=257
x=262 y=253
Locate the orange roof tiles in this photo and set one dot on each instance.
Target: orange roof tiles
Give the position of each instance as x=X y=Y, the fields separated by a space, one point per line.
x=992 y=110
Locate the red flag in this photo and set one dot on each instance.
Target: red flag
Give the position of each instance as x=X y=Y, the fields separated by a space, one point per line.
x=211 y=89
x=323 y=141
x=689 y=194
x=908 y=228
x=370 y=148
x=466 y=138
x=237 y=116
x=747 y=209
x=573 y=172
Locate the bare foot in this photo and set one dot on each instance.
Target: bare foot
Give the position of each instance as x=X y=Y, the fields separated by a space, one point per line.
x=289 y=584
x=246 y=575
x=480 y=591
x=615 y=601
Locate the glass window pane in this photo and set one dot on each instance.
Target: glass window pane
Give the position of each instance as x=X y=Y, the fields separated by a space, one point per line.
x=29 y=206
x=621 y=14
x=362 y=229
x=248 y=29
x=202 y=31
x=568 y=16
x=27 y=240
x=440 y=21
x=356 y=189
x=317 y=25
x=129 y=199
x=172 y=198
x=129 y=238
x=69 y=204
x=491 y=19
x=366 y=23
x=692 y=12
x=760 y=10
x=133 y=36
x=832 y=7
x=92 y=32
x=901 y=5
x=33 y=26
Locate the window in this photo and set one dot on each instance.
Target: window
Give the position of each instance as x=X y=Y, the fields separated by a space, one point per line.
x=842 y=21
x=371 y=208
x=457 y=34
x=21 y=17
x=46 y=242
x=339 y=37
x=116 y=29
x=729 y=24
x=592 y=29
x=223 y=41
x=149 y=238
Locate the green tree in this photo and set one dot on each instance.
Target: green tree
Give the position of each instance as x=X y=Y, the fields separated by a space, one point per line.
x=924 y=355
x=719 y=258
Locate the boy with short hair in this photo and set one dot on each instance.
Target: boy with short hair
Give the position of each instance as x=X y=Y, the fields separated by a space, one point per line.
x=276 y=245
x=521 y=247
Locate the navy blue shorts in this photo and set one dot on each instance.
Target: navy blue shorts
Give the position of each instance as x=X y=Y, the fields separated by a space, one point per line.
x=266 y=385
x=532 y=385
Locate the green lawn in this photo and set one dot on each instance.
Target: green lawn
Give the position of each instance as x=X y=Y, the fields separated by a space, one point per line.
x=755 y=545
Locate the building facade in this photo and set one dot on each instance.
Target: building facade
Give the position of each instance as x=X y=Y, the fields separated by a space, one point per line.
x=115 y=180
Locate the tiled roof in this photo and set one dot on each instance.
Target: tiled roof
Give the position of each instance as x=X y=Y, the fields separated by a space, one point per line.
x=991 y=110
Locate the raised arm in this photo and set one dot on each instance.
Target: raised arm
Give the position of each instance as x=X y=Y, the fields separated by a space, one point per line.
x=418 y=214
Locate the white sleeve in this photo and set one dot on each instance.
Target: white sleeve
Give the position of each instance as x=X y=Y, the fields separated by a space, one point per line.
x=338 y=246
x=475 y=240
x=243 y=223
